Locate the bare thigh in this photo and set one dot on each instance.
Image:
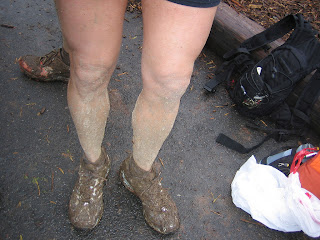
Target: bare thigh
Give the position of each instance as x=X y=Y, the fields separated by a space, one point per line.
x=92 y=31
x=174 y=36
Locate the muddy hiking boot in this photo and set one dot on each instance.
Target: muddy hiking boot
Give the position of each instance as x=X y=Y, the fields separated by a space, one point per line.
x=159 y=210
x=54 y=66
x=86 y=202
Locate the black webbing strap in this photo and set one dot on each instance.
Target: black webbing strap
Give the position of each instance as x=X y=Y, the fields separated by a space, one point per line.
x=272 y=133
x=234 y=52
x=271 y=34
x=239 y=64
x=223 y=73
x=274 y=130
x=274 y=32
x=234 y=145
x=306 y=100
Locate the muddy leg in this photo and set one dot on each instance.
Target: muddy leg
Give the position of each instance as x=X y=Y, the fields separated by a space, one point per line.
x=92 y=33
x=174 y=35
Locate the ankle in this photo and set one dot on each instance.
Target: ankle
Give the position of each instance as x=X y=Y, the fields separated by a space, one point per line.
x=93 y=157
x=142 y=166
x=137 y=170
x=65 y=56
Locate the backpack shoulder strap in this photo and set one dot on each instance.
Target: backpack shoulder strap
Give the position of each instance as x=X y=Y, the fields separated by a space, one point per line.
x=240 y=57
x=274 y=32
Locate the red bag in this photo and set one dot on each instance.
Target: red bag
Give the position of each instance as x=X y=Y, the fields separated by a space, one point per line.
x=309 y=172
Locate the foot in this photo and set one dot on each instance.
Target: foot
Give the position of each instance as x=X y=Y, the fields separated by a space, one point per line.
x=159 y=210
x=54 y=66
x=86 y=202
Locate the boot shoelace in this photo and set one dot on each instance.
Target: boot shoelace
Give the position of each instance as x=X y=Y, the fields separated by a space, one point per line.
x=89 y=180
x=155 y=189
x=48 y=58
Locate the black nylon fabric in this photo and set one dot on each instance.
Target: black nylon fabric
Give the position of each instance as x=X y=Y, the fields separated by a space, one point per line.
x=197 y=3
x=264 y=87
x=261 y=88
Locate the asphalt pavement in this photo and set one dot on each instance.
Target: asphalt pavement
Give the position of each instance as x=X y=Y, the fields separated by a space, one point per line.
x=40 y=150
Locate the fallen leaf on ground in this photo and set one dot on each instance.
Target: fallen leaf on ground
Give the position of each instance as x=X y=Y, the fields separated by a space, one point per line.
x=35 y=181
x=61 y=170
x=41 y=111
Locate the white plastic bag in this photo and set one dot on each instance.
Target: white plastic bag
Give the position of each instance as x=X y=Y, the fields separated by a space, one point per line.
x=306 y=209
x=275 y=200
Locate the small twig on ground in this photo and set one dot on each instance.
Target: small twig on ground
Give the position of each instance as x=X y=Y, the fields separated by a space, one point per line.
x=214 y=199
x=7 y=26
x=216 y=213
x=264 y=123
x=35 y=181
x=223 y=105
x=122 y=74
x=41 y=111
x=68 y=155
x=161 y=162
x=237 y=3
x=52 y=177
x=247 y=221
x=61 y=170
x=47 y=138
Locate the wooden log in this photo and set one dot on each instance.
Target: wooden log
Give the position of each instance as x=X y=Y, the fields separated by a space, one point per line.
x=231 y=28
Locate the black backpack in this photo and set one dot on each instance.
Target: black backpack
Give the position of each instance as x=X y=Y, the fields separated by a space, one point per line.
x=260 y=88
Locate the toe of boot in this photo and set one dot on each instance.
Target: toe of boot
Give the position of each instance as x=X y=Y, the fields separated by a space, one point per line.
x=84 y=218
x=164 y=220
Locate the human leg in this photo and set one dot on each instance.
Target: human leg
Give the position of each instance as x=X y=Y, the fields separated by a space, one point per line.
x=92 y=32
x=92 y=35
x=174 y=35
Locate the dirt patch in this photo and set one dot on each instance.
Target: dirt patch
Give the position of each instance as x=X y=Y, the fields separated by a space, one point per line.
x=267 y=12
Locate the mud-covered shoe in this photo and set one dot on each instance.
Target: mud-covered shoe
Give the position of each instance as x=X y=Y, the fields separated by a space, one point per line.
x=54 y=66
x=159 y=210
x=86 y=202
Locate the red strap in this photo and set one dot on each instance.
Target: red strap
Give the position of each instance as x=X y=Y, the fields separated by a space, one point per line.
x=299 y=156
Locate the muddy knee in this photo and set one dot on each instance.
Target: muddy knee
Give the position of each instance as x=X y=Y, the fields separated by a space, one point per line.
x=167 y=80
x=91 y=79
